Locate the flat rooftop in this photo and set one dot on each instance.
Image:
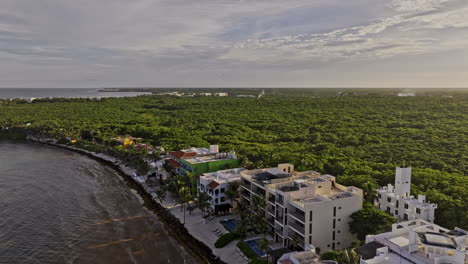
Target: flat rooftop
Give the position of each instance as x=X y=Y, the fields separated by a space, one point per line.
x=208 y=158
x=270 y=174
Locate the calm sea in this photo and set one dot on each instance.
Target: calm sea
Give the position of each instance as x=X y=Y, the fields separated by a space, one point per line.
x=7 y=93
x=60 y=207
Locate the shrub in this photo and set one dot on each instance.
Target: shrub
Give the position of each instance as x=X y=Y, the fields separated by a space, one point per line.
x=225 y=239
x=246 y=250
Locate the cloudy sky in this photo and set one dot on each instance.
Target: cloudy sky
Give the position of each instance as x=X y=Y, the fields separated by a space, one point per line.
x=234 y=43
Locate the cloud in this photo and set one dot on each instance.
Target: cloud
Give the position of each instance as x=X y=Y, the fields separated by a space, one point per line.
x=179 y=41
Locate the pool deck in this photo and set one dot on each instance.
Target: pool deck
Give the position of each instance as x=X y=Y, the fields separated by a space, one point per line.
x=202 y=230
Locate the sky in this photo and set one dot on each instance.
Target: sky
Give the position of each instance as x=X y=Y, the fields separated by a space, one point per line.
x=234 y=43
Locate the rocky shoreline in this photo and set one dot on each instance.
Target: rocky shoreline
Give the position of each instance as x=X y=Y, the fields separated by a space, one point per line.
x=196 y=248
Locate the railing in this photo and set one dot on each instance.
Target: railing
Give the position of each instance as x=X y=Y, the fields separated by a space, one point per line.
x=298 y=216
x=271 y=199
x=297 y=227
x=271 y=221
x=271 y=209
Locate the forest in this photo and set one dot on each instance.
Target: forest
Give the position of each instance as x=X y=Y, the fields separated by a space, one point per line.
x=360 y=137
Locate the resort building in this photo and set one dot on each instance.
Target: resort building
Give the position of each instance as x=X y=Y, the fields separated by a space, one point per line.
x=215 y=185
x=303 y=207
x=416 y=241
x=397 y=201
x=201 y=160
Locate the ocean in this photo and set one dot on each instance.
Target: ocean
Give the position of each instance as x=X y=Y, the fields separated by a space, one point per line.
x=26 y=93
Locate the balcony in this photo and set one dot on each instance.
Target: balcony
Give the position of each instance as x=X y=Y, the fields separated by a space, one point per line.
x=297 y=227
x=271 y=199
x=279 y=230
x=271 y=221
x=299 y=215
x=271 y=209
x=245 y=184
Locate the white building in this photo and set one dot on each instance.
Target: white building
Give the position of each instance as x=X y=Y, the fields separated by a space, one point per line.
x=416 y=241
x=221 y=94
x=215 y=185
x=303 y=206
x=308 y=256
x=397 y=201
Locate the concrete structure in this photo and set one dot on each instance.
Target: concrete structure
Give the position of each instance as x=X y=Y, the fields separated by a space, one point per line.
x=201 y=160
x=397 y=201
x=309 y=256
x=303 y=207
x=416 y=241
x=215 y=185
x=221 y=94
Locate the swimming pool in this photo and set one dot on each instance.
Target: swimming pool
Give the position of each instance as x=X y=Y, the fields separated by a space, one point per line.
x=229 y=224
x=253 y=244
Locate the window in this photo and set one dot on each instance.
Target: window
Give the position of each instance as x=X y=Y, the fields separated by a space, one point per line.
x=339 y=231
x=405 y=217
x=310 y=216
x=388 y=209
x=397 y=203
x=310 y=228
x=418 y=211
x=396 y=212
x=310 y=240
x=333 y=235
x=389 y=199
x=222 y=190
x=379 y=195
x=339 y=208
x=406 y=206
x=334 y=211
x=333 y=246
x=216 y=200
x=223 y=199
x=334 y=223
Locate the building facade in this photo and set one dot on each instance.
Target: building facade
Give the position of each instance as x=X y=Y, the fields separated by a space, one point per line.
x=303 y=207
x=215 y=185
x=398 y=201
x=416 y=241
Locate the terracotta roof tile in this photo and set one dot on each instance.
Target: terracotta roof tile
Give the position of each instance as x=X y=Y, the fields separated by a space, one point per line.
x=213 y=185
x=173 y=163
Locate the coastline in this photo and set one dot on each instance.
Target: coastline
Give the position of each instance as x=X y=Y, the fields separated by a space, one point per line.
x=200 y=251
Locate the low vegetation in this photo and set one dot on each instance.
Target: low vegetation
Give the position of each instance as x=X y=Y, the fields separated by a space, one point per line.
x=225 y=239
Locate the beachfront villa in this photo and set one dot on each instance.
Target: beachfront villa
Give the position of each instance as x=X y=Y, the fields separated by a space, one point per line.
x=397 y=201
x=201 y=160
x=303 y=207
x=416 y=241
x=215 y=185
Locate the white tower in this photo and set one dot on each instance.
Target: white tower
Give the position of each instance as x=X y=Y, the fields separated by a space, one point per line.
x=403 y=181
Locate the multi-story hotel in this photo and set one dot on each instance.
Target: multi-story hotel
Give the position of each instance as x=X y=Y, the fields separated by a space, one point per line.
x=416 y=241
x=303 y=208
x=397 y=201
x=215 y=185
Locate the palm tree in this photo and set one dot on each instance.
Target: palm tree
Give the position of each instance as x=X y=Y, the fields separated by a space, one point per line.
x=370 y=193
x=350 y=257
x=203 y=202
x=161 y=193
x=244 y=220
x=263 y=243
x=232 y=193
x=185 y=197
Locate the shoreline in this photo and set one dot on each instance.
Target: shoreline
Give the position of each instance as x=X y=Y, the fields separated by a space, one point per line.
x=198 y=250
